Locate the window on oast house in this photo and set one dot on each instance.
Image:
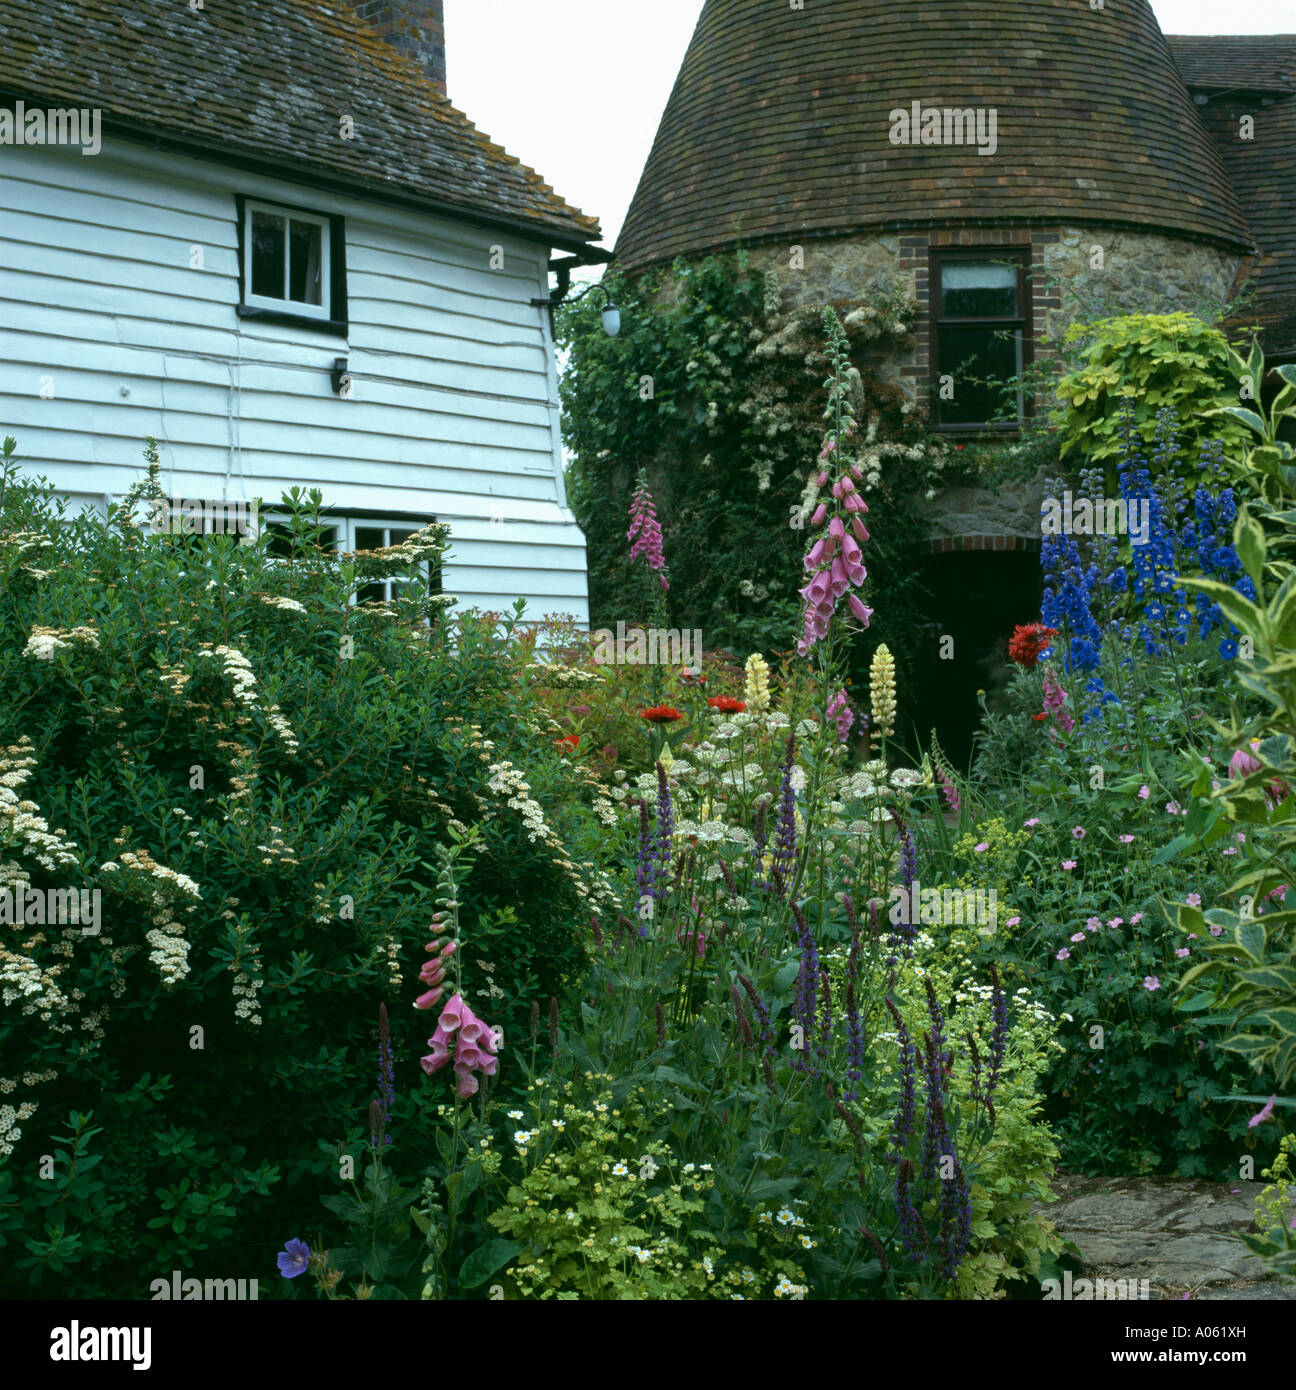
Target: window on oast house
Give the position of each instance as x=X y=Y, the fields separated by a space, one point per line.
x=292 y=265
x=980 y=318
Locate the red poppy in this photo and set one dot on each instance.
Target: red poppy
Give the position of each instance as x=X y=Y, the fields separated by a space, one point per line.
x=1027 y=642
x=727 y=704
x=570 y=740
x=691 y=677
x=1039 y=718
x=660 y=714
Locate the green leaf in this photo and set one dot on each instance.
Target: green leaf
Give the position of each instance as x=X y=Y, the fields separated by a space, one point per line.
x=486 y=1260
x=1248 y=417
x=1251 y=937
x=1248 y=538
x=786 y=975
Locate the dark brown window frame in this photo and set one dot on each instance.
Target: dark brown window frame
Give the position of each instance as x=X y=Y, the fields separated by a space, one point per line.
x=938 y=256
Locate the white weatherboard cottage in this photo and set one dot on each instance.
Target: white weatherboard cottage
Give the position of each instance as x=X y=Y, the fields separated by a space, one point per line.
x=293 y=263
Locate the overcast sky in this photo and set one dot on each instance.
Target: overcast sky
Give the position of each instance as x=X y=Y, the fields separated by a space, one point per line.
x=575 y=88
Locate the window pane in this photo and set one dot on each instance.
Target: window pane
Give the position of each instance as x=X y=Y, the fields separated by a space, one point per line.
x=401 y=533
x=370 y=538
x=279 y=540
x=267 y=255
x=305 y=263
x=978 y=289
x=371 y=593
x=970 y=356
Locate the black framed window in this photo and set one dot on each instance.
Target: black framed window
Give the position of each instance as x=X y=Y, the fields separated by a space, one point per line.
x=980 y=338
x=292 y=265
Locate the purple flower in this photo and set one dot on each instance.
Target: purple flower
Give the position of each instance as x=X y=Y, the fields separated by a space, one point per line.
x=1182 y=951
x=981 y=848
x=645 y=532
x=294 y=1258
x=1069 y=864
x=840 y=711
x=1078 y=936
x=380 y=1110
x=785 y=837
x=1064 y=954
x=1144 y=792
x=1263 y=1114
x=1077 y=832
x=1127 y=839
x=1150 y=982
x=807 y=988
x=1193 y=899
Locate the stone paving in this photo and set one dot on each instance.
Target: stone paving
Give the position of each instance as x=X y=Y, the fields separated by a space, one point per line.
x=1177 y=1233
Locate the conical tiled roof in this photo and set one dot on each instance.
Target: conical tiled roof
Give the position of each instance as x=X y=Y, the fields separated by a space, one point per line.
x=779 y=125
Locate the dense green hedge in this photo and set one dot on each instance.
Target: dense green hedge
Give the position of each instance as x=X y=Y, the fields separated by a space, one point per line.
x=259 y=810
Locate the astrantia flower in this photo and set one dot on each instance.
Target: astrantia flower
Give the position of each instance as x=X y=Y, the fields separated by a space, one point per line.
x=660 y=714
x=293 y=1258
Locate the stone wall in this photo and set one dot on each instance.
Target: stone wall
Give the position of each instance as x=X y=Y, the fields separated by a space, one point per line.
x=1074 y=271
x=1093 y=271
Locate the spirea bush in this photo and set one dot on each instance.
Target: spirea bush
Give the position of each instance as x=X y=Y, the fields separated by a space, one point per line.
x=253 y=776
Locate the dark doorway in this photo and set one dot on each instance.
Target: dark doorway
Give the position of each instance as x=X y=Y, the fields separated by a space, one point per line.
x=978 y=597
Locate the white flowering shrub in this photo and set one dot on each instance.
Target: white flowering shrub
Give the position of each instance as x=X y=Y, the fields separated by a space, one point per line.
x=252 y=775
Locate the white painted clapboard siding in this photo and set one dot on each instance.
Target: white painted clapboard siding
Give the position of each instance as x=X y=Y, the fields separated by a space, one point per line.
x=454 y=405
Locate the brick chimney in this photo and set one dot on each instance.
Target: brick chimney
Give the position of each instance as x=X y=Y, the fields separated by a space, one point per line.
x=416 y=27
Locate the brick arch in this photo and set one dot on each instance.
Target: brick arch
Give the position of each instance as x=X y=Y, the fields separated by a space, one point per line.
x=941 y=545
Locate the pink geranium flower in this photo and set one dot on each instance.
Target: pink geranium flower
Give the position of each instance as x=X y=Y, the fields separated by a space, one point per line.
x=1150 y=982
x=1064 y=954
x=1069 y=864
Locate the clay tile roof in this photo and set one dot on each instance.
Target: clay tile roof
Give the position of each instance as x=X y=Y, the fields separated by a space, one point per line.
x=1263 y=170
x=1250 y=62
x=778 y=125
x=267 y=81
